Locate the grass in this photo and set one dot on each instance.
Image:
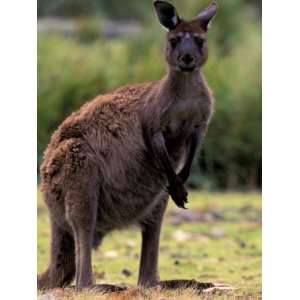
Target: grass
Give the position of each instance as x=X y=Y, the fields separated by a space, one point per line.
x=217 y=240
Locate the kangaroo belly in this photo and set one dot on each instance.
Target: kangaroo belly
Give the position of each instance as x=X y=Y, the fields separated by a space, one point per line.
x=130 y=183
x=126 y=204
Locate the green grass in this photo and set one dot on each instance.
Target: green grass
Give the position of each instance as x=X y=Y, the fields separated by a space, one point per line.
x=223 y=247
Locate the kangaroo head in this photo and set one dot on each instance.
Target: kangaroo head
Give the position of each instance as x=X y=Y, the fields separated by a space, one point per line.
x=186 y=46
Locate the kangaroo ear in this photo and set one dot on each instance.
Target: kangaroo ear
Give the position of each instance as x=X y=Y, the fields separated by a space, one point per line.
x=206 y=16
x=167 y=14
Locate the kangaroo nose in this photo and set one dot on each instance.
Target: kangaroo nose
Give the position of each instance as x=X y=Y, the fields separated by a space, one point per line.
x=187 y=59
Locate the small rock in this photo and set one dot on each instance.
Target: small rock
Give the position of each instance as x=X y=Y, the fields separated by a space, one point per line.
x=126 y=272
x=181 y=236
x=217 y=233
x=111 y=254
x=131 y=244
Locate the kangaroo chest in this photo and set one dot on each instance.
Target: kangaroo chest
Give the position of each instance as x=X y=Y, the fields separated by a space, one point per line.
x=181 y=118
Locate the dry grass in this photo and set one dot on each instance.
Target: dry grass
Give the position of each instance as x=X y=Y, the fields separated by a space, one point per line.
x=139 y=294
x=222 y=245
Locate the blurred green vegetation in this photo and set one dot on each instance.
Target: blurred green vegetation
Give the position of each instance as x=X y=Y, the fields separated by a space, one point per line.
x=74 y=69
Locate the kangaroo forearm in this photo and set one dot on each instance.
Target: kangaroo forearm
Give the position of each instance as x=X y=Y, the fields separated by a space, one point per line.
x=162 y=156
x=193 y=144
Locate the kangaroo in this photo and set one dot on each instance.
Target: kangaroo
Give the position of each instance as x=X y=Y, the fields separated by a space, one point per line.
x=115 y=162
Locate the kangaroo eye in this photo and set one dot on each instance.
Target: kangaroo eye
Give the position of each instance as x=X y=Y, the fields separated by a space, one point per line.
x=174 y=42
x=199 y=41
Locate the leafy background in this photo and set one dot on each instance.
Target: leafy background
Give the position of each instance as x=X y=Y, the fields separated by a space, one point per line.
x=90 y=47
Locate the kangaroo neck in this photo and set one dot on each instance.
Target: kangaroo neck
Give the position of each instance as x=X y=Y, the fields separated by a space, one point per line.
x=183 y=84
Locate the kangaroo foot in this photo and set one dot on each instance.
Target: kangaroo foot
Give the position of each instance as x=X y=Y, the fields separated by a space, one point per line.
x=105 y=288
x=185 y=284
x=108 y=288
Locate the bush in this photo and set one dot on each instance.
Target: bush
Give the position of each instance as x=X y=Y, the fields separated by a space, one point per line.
x=70 y=73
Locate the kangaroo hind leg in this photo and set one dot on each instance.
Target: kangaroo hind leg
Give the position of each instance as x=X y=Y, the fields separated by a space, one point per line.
x=61 y=270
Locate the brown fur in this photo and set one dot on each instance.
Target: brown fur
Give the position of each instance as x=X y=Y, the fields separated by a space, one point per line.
x=100 y=173
x=192 y=26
